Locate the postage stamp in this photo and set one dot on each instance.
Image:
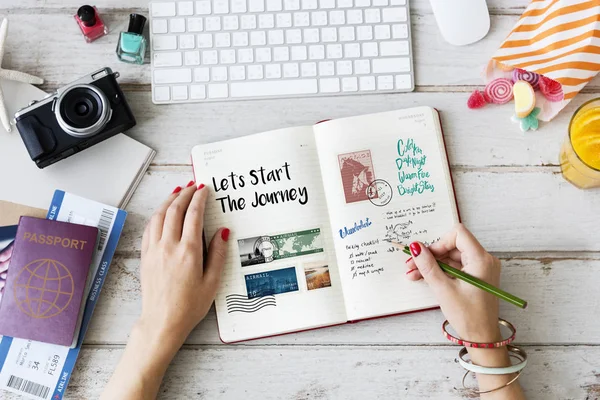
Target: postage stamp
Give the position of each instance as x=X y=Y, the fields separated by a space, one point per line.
x=271 y=282
x=356 y=169
x=264 y=249
x=317 y=275
x=379 y=192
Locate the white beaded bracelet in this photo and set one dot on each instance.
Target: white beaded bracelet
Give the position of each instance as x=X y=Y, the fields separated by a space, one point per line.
x=516 y=352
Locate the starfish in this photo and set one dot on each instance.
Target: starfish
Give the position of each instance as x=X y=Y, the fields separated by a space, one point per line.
x=11 y=75
x=529 y=122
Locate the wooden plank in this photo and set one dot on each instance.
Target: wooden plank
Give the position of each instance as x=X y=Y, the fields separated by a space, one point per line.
x=509 y=209
x=340 y=372
x=554 y=315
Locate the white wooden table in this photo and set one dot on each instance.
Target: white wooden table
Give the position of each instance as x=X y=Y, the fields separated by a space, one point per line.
x=509 y=189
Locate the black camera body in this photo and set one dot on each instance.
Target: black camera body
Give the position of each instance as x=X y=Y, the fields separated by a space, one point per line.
x=77 y=116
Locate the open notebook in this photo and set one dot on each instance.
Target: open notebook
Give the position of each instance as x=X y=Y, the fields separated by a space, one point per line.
x=311 y=212
x=108 y=172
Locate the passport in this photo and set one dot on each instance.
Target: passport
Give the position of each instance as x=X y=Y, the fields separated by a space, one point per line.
x=46 y=279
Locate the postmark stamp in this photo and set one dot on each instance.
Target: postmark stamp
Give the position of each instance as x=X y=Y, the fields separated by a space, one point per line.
x=379 y=192
x=356 y=170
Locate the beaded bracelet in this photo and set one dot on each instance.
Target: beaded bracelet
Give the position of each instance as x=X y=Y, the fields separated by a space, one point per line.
x=466 y=343
x=513 y=351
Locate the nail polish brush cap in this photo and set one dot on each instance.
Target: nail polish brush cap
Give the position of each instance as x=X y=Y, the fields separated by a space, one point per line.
x=136 y=23
x=87 y=15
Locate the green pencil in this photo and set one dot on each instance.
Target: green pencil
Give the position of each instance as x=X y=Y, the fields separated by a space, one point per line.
x=458 y=274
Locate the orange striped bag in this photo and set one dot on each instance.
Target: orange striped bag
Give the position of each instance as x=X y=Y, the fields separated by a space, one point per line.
x=559 y=39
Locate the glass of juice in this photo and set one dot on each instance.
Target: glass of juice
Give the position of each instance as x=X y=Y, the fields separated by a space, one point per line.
x=580 y=153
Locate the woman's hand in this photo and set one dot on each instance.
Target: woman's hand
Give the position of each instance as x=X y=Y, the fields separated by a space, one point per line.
x=178 y=288
x=472 y=312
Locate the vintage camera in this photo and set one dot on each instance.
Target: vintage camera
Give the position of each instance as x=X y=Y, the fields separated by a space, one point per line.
x=77 y=116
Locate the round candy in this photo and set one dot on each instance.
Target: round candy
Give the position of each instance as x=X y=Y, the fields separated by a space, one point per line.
x=551 y=89
x=499 y=91
x=530 y=77
x=524 y=98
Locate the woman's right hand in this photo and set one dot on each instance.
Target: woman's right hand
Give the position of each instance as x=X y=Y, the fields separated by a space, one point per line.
x=472 y=312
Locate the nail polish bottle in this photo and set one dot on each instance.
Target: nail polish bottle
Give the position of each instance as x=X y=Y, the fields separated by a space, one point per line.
x=132 y=44
x=90 y=23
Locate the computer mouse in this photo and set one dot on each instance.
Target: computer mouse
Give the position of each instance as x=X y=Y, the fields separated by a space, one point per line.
x=461 y=22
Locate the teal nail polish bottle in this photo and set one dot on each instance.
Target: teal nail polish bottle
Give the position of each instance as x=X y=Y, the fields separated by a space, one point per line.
x=132 y=44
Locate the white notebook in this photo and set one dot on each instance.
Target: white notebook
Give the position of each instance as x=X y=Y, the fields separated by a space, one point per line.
x=108 y=172
x=312 y=211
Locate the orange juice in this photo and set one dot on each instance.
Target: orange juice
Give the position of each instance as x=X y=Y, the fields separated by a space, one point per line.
x=580 y=153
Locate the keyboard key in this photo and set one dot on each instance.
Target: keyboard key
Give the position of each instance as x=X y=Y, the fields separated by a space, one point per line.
x=266 y=21
x=399 y=48
x=201 y=74
x=337 y=17
x=230 y=23
x=219 y=74
x=161 y=93
x=163 y=9
x=390 y=65
x=186 y=42
x=327 y=4
x=398 y=2
x=197 y=92
x=210 y=57
x=366 y=83
x=203 y=7
x=301 y=19
x=258 y=38
x=362 y=67
x=344 y=3
x=238 y=6
x=284 y=20
x=221 y=6
x=328 y=35
x=227 y=56
x=309 y=4
x=276 y=37
x=237 y=73
x=212 y=24
x=382 y=32
x=179 y=92
x=352 y=50
x=364 y=32
x=380 y=3
x=316 y=52
x=248 y=22
x=290 y=70
x=179 y=75
x=291 y=5
x=329 y=85
x=256 y=5
x=299 y=53
x=263 y=54
x=394 y=15
x=281 y=54
x=274 y=5
x=334 y=51
x=326 y=68
x=273 y=71
x=308 y=69
x=385 y=82
x=255 y=71
x=192 y=58
x=164 y=42
x=350 y=84
x=222 y=40
x=240 y=39
x=159 y=26
x=245 y=56
x=372 y=16
x=403 y=82
x=274 y=88
x=205 y=40
x=194 y=24
x=177 y=25
x=171 y=59
x=311 y=35
x=344 y=67
x=293 y=36
x=319 y=18
x=218 y=91
x=347 y=34
x=354 y=16
x=362 y=3
x=400 y=31
x=370 y=50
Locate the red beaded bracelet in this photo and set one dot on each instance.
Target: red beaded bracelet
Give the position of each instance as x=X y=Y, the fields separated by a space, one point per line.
x=466 y=343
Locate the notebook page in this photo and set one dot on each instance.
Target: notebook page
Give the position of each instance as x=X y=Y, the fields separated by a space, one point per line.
x=386 y=177
x=281 y=274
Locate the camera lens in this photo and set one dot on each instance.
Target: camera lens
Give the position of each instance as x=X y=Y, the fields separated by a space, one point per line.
x=82 y=110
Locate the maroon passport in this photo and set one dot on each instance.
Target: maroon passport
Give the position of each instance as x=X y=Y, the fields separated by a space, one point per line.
x=46 y=280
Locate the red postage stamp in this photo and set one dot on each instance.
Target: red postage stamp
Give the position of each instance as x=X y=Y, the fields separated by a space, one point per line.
x=356 y=169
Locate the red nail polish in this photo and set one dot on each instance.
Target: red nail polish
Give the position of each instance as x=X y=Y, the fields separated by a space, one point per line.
x=415 y=249
x=200 y=186
x=225 y=234
x=410 y=270
x=409 y=258
x=190 y=183
x=177 y=190
x=90 y=23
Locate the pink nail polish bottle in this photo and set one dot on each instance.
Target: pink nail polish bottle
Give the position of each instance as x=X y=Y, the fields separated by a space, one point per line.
x=89 y=21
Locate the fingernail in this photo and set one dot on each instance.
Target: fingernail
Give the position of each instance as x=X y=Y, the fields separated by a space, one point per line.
x=409 y=258
x=177 y=190
x=190 y=183
x=200 y=186
x=415 y=249
x=410 y=270
x=225 y=234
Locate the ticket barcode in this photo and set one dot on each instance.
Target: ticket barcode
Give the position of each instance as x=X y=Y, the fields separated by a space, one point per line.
x=106 y=218
x=25 y=386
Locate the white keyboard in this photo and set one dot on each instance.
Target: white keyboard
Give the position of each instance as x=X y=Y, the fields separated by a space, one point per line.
x=218 y=50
